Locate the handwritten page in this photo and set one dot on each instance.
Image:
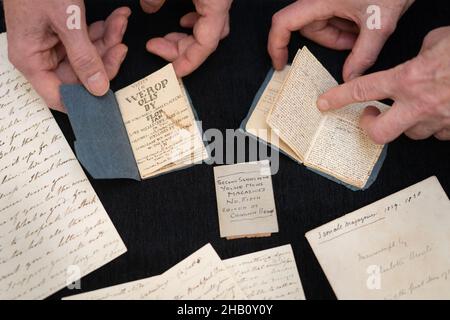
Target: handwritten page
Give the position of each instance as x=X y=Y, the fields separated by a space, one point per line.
x=126 y=291
x=245 y=200
x=257 y=122
x=395 y=248
x=52 y=225
x=268 y=275
x=332 y=142
x=201 y=276
x=160 y=123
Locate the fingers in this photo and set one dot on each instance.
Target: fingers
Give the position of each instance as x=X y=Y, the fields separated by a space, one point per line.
x=293 y=17
x=107 y=38
x=189 y=20
x=114 y=58
x=168 y=47
x=365 y=51
x=47 y=84
x=329 y=35
x=388 y=126
x=424 y=130
x=376 y=86
x=85 y=60
x=151 y=6
x=443 y=135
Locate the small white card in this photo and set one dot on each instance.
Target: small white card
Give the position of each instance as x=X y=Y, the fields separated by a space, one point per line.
x=245 y=200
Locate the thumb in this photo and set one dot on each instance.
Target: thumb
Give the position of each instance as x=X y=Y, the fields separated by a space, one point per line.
x=85 y=60
x=365 y=52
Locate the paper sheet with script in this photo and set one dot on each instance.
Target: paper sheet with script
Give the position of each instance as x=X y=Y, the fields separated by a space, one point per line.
x=160 y=123
x=268 y=275
x=332 y=142
x=257 y=122
x=201 y=276
x=53 y=227
x=396 y=248
x=245 y=200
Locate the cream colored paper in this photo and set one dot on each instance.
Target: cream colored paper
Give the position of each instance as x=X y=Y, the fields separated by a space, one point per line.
x=268 y=275
x=328 y=142
x=201 y=276
x=395 y=248
x=245 y=200
x=160 y=123
x=257 y=123
x=52 y=225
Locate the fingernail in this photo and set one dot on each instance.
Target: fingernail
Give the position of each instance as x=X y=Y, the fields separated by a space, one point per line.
x=323 y=104
x=124 y=28
x=98 y=84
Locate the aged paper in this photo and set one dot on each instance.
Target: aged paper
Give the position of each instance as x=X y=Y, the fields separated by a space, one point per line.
x=160 y=123
x=257 y=123
x=201 y=276
x=396 y=248
x=126 y=291
x=245 y=200
x=268 y=275
x=53 y=228
x=328 y=142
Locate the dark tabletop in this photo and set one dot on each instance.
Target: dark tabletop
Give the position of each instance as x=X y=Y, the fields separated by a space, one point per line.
x=165 y=219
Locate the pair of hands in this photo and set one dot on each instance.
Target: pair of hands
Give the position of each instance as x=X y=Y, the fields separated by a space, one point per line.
x=420 y=87
x=48 y=53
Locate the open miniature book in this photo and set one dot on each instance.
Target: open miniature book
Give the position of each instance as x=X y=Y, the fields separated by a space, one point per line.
x=333 y=144
x=144 y=130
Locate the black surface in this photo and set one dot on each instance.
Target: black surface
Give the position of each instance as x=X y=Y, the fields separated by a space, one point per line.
x=165 y=219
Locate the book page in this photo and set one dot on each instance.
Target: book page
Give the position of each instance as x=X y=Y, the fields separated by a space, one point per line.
x=268 y=275
x=343 y=150
x=245 y=200
x=257 y=122
x=201 y=276
x=395 y=248
x=160 y=122
x=294 y=115
x=53 y=227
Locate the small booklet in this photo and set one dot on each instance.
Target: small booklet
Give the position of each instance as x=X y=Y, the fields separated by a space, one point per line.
x=144 y=130
x=245 y=200
x=395 y=248
x=284 y=114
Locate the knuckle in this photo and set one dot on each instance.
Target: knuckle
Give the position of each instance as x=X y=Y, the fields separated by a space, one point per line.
x=359 y=91
x=277 y=19
x=83 y=62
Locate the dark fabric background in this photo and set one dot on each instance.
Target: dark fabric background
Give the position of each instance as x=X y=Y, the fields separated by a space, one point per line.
x=165 y=219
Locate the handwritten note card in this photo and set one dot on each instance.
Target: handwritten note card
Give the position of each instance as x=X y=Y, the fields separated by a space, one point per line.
x=268 y=275
x=52 y=225
x=245 y=200
x=201 y=276
x=396 y=248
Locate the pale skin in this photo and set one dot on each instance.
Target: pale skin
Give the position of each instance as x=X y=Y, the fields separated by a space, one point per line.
x=420 y=88
x=49 y=54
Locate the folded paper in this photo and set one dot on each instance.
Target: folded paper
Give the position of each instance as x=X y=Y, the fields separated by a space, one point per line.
x=144 y=130
x=285 y=116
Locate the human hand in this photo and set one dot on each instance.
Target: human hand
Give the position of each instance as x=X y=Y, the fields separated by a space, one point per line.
x=210 y=23
x=336 y=24
x=419 y=87
x=43 y=48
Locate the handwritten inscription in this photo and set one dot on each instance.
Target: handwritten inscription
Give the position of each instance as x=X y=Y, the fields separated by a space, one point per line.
x=50 y=217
